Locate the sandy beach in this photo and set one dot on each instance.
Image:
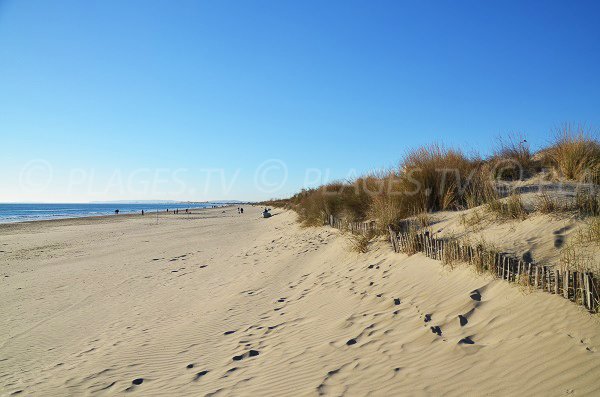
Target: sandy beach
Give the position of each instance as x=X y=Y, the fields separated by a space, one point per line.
x=224 y=304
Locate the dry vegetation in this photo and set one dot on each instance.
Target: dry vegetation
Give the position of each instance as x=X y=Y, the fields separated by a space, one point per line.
x=574 y=155
x=546 y=203
x=509 y=208
x=435 y=178
x=360 y=242
x=512 y=159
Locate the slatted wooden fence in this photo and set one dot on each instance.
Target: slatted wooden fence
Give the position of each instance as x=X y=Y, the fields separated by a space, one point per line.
x=354 y=227
x=579 y=287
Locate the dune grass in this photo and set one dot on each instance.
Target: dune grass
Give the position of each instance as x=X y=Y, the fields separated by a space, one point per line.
x=509 y=208
x=435 y=178
x=512 y=159
x=574 y=155
x=360 y=242
x=588 y=202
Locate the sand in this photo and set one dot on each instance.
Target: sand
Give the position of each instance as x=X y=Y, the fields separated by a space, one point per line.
x=226 y=304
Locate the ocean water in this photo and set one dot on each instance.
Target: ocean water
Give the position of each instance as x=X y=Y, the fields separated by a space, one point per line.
x=34 y=212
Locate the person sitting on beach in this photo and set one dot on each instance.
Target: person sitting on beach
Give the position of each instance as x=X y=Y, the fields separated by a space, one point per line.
x=266 y=213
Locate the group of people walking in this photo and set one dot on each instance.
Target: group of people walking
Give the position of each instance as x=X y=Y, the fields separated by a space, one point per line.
x=240 y=210
x=175 y=211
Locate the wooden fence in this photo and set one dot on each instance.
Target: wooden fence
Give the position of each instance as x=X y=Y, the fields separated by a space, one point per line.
x=579 y=287
x=354 y=227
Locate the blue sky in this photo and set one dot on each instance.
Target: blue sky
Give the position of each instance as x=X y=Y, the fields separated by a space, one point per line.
x=103 y=100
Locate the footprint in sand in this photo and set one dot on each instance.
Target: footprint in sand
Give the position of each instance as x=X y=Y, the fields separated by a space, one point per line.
x=463 y=320
x=229 y=371
x=476 y=295
x=436 y=330
x=466 y=341
x=251 y=353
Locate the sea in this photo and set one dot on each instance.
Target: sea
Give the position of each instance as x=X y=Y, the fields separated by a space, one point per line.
x=10 y=213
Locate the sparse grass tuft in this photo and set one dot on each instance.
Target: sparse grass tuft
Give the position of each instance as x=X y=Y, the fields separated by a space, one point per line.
x=581 y=254
x=587 y=202
x=550 y=204
x=525 y=284
x=471 y=220
x=448 y=259
x=360 y=242
x=589 y=235
x=509 y=208
x=423 y=220
x=482 y=256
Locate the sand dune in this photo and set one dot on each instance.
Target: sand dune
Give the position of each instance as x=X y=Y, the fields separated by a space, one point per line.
x=227 y=304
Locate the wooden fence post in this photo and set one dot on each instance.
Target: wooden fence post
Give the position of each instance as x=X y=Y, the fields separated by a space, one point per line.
x=586 y=289
x=593 y=293
x=544 y=278
x=581 y=291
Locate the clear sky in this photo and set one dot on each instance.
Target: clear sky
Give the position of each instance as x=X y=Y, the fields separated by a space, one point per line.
x=200 y=100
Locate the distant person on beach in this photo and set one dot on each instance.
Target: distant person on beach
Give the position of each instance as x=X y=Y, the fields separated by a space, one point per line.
x=266 y=213
x=241 y=210
x=142 y=212
x=116 y=212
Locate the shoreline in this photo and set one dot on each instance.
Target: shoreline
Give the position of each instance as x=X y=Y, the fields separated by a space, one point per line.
x=80 y=219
